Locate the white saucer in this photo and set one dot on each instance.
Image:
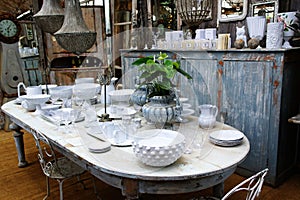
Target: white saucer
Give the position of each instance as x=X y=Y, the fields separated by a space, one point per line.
x=187 y=112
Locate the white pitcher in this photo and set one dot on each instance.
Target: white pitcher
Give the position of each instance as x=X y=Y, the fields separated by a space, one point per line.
x=109 y=88
x=31 y=90
x=208 y=114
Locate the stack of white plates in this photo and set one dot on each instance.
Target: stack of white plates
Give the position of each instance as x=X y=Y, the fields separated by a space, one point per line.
x=226 y=138
x=99 y=147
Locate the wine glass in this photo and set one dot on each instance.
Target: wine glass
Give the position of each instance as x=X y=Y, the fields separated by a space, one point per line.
x=65 y=119
x=74 y=115
x=190 y=134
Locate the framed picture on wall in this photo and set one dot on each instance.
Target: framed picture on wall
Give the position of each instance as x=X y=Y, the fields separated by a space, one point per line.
x=268 y=9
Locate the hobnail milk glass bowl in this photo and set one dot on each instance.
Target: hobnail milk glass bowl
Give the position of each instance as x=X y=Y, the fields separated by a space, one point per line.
x=160 y=150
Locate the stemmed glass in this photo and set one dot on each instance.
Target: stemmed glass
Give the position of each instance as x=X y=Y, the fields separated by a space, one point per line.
x=65 y=119
x=74 y=115
x=190 y=134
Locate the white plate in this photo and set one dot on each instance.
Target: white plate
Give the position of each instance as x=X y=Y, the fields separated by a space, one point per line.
x=226 y=137
x=187 y=112
x=50 y=107
x=183 y=99
x=186 y=105
x=126 y=111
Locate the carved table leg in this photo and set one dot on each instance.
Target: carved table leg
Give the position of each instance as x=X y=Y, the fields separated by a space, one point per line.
x=218 y=190
x=18 y=137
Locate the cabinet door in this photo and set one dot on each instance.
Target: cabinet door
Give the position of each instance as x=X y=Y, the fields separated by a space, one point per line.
x=203 y=88
x=247 y=102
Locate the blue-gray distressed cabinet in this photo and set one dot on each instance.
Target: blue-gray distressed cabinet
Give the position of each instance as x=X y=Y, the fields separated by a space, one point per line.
x=257 y=90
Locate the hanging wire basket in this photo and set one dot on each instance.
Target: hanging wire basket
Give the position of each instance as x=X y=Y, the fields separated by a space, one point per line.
x=193 y=12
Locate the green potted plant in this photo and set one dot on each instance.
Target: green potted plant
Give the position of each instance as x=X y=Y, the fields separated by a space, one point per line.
x=156 y=91
x=157 y=73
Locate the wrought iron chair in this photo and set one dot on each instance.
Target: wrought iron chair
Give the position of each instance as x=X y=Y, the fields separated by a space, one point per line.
x=251 y=185
x=59 y=169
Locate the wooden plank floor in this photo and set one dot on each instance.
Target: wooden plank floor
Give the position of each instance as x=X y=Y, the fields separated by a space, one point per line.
x=29 y=183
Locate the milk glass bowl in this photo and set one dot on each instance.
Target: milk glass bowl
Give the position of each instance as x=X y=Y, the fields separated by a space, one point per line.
x=121 y=97
x=31 y=102
x=61 y=92
x=86 y=91
x=162 y=149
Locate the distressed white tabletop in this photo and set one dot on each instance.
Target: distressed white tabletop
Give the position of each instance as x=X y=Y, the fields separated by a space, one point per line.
x=121 y=162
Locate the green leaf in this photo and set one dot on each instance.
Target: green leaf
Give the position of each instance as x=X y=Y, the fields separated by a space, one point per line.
x=162 y=56
x=142 y=60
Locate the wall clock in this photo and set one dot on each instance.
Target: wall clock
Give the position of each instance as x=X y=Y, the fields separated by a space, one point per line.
x=9 y=29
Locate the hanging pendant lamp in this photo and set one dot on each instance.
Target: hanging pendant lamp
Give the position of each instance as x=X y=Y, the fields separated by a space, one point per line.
x=51 y=16
x=74 y=35
x=193 y=12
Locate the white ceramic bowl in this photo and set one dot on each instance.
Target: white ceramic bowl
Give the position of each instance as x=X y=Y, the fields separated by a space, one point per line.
x=49 y=86
x=121 y=96
x=86 y=90
x=160 y=150
x=36 y=99
x=61 y=92
x=84 y=80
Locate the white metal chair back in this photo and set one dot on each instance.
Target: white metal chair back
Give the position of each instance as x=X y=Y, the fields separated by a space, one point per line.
x=46 y=154
x=53 y=167
x=252 y=185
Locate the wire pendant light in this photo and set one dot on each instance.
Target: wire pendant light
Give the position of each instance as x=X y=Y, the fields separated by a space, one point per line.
x=74 y=35
x=51 y=16
x=193 y=12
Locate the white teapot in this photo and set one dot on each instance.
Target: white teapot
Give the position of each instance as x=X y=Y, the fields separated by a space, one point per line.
x=31 y=90
x=208 y=114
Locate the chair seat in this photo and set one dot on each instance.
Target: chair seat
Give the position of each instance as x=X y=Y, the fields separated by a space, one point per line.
x=64 y=168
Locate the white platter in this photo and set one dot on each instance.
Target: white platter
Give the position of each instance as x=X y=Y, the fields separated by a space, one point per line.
x=53 y=117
